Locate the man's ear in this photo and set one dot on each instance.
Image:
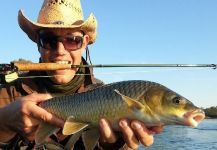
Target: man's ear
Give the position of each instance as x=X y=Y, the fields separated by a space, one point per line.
x=85 y=42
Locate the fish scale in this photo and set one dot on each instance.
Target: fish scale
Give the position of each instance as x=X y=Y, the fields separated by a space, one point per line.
x=96 y=103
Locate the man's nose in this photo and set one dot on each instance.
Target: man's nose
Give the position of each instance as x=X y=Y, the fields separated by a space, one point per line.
x=60 y=49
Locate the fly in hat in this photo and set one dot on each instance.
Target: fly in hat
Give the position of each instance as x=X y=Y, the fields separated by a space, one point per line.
x=61 y=14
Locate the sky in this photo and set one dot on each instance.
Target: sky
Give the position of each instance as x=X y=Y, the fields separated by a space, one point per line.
x=139 y=31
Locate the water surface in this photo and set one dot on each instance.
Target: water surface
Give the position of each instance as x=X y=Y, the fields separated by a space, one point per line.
x=204 y=137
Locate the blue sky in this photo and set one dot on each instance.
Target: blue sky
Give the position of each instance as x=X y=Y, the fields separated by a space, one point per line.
x=140 y=31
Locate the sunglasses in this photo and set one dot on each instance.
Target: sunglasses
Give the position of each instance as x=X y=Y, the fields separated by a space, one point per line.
x=69 y=42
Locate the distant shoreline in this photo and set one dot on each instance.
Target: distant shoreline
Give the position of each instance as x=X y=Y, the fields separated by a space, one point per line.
x=211 y=117
x=211 y=112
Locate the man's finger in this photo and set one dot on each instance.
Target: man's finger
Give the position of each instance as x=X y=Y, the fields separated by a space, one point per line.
x=107 y=132
x=38 y=97
x=128 y=134
x=41 y=114
x=142 y=133
x=30 y=121
x=43 y=97
x=28 y=131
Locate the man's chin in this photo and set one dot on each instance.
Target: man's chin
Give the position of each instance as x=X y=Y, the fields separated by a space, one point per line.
x=60 y=72
x=61 y=76
x=61 y=80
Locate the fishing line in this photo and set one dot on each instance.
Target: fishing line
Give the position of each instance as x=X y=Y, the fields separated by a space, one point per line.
x=141 y=71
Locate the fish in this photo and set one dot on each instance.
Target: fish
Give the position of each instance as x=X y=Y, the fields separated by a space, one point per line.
x=149 y=102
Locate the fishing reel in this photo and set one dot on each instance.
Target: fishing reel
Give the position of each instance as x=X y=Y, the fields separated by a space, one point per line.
x=8 y=73
x=11 y=72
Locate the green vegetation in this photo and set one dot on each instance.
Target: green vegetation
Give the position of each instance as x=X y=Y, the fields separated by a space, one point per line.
x=211 y=112
x=21 y=60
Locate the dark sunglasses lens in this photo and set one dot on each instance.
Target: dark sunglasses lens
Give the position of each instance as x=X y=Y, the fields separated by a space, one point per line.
x=48 y=42
x=73 y=43
x=69 y=42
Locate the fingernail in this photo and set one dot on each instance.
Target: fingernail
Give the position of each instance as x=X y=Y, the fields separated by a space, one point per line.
x=123 y=123
x=136 y=125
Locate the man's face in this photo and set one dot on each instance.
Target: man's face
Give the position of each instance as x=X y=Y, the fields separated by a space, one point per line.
x=62 y=46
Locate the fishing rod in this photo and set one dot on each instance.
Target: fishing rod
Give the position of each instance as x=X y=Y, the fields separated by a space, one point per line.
x=57 y=66
x=213 y=66
x=9 y=72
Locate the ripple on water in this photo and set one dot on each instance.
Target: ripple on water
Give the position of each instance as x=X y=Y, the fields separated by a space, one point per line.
x=204 y=137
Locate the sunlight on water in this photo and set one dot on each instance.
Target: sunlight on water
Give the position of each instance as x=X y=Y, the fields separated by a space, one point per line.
x=204 y=137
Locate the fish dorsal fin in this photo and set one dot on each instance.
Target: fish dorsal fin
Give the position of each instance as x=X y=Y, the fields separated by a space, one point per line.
x=131 y=102
x=90 y=138
x=71 y=126
x=43 y=132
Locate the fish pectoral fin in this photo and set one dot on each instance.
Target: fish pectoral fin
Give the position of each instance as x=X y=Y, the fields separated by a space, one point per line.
x=72 y=127
x=90 y=138
x=141 y=98
x=43 y=132
x=131 y=102
x=136 y=106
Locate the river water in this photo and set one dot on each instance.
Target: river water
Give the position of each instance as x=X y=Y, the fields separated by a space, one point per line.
x=204 y=137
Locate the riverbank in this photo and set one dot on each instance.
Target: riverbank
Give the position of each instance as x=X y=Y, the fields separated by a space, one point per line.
x=211 y=117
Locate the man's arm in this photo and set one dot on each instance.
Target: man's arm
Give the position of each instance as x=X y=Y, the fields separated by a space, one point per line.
x=23 y=116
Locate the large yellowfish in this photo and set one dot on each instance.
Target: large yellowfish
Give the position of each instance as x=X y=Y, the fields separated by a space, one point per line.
x=150 y=102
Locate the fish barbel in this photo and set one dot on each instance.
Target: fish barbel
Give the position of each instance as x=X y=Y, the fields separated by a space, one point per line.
x=149 y=102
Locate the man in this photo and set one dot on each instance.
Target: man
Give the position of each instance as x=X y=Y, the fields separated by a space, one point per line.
x=62 y=37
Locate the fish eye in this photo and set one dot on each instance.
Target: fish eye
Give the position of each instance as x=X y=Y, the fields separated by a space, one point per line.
x=177 y=100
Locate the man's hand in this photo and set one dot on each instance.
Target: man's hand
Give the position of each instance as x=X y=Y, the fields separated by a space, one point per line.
x=134 y=133
x=24 y=115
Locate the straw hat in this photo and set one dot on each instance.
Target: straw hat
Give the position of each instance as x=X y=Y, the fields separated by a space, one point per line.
x=61 y=14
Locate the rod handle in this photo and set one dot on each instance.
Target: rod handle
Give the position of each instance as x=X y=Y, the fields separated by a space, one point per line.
x=41 y=66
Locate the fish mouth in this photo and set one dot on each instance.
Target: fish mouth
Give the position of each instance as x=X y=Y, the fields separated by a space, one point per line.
x=193 y=118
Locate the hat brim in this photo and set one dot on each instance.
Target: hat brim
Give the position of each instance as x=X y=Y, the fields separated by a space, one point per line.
x=31 y=28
